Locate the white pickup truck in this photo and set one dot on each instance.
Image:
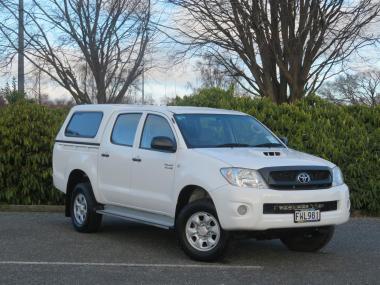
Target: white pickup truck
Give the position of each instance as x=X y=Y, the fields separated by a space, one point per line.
x=207 y=173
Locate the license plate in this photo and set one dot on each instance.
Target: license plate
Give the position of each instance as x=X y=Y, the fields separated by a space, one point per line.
x=307 y=216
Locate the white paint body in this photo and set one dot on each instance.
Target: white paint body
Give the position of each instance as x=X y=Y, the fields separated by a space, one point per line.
x=150 y=187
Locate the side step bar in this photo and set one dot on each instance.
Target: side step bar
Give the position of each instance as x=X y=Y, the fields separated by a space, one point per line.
x=138 y=216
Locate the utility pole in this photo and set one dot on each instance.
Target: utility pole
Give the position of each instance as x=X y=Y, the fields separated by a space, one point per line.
x=21 y=71
x=142 y=84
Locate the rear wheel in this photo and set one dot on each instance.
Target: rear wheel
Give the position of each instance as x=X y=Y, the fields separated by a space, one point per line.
x=308 y=240
x=83 y=209
x=199 y=232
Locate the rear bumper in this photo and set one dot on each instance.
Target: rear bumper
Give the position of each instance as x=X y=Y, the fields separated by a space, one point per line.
x=228 y=198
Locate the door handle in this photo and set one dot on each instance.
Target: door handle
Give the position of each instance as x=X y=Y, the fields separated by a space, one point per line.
x=105 y=155
x=136 y=159
x=168 y=166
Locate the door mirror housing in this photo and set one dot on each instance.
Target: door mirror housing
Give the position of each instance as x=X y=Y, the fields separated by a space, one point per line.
x=284 y=140
x=163 y=144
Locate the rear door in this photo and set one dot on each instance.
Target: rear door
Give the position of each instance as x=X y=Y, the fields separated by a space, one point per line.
x=115 y=158
x=153 y=170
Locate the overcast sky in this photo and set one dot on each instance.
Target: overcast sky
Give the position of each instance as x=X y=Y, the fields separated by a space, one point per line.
x=168 y=80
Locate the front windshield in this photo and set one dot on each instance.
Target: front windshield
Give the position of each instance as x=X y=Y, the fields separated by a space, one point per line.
x=220 y=130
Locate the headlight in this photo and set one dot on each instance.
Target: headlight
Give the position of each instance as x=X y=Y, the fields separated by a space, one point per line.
x=337 y=176
x=243 y=177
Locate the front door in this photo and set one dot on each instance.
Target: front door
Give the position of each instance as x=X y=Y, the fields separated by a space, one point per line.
x=153 y=170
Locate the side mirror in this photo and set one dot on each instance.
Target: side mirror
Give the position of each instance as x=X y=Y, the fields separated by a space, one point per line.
x=284 y=140
x=163 y=144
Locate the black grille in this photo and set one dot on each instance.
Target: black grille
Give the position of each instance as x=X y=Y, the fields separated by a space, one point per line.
x=285 y=178
x=289 y=208
x=290 y=176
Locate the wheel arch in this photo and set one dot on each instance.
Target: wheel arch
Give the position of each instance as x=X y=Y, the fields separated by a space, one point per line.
x=76 y=176
x=189 y=194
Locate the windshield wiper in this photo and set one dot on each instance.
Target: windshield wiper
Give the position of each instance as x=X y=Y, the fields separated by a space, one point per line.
x=233 y=145
x=268 y=145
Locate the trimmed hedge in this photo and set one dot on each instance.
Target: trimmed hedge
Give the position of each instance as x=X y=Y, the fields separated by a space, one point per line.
x=349 y=136
x=27 y=133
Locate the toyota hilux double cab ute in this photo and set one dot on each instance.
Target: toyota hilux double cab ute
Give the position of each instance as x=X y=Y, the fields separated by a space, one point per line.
x=206 y=173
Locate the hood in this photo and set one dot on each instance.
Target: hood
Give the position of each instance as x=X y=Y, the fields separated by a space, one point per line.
x=256 y=158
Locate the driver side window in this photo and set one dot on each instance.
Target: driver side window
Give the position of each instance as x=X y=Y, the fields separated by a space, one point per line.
x=155 y=126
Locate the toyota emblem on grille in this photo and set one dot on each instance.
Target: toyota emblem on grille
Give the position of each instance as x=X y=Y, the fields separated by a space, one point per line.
x=303 y=178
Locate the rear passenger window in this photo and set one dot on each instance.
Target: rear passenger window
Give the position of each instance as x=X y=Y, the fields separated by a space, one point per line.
x=84 y=124
x=155 y=126
x=125 y=128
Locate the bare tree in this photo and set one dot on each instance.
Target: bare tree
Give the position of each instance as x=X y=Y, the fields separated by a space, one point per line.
x=358 y=88
x=36 y=91
x=283 y=49
x=107 y=38
x=213 y=74
x=7 y=52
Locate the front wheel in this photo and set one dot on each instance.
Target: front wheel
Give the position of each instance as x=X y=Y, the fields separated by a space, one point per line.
x=309 y=239
x=199 y=231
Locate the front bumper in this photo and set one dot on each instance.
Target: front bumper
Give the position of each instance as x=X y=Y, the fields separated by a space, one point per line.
x=227 y=200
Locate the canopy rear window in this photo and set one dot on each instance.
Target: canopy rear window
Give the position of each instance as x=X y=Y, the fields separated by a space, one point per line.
x=84 y=124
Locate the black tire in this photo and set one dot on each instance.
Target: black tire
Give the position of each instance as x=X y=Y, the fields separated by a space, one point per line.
x=198 y=207
x=92 y=220
x=308 y=239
